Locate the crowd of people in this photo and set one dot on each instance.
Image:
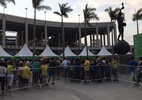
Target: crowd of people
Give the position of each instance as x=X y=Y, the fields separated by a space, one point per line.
x=45 y=71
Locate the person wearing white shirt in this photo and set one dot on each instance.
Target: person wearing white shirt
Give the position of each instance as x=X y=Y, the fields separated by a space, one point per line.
x=65 y=63
x=2 y=76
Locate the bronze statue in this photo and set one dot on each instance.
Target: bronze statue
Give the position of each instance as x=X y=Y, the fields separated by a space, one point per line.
x=121 y=24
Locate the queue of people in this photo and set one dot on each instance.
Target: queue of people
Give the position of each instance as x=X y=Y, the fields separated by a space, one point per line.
x=47 y=70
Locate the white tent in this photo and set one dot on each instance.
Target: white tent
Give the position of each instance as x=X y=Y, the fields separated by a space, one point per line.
x=25 y=51
x=104 y=52
x=129 y=53
x=3 y=53
x=84 y=53
x=48 y=52
x=68 y=52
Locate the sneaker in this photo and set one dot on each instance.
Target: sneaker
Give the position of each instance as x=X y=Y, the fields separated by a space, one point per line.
x=116 y=80
x=53 y=83
x=3 y=94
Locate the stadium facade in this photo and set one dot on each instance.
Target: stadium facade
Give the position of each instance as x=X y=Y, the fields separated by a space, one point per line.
x=49 y=32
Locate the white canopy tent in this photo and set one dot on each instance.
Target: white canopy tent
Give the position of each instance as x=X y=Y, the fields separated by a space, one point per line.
x=84 y=53
x=3 y=53
x=129 y=53
x=104 y=52
x=25 y=51
x=48 y=52
x=68 y=52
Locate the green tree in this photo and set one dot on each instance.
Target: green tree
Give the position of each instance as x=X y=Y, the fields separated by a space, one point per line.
x=113 y=16
x=37 y=5
x=89 y=14
x=137 y=16
x=64 y=10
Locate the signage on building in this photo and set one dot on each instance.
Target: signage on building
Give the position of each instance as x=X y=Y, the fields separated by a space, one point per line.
x=137 y=46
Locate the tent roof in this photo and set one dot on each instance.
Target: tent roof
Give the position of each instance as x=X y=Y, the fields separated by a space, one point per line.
x=48 y=52
x=104 y=52
x=3 y=53
x=68 y=52
x=84 y=53
x=129 y=53
x=25 y=51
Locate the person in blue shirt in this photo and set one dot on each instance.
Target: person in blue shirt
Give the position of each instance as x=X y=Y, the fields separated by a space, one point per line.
x=133 y=64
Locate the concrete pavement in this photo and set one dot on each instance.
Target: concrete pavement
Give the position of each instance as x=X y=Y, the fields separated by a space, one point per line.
x=74 y=91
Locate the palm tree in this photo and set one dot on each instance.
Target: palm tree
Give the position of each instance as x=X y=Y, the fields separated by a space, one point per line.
x=89 y=14
x=113 y=16
x=37 y=6
x=3 y=2
x=64 y=9
x=137 y=16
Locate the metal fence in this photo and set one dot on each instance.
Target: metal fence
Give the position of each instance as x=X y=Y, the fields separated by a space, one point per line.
x=24 y=79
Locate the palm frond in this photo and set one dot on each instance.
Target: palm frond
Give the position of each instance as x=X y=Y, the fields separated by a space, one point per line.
x=137 y=15
x=64 y=9
x=9 y=1
x=89 y=14
x=43 y=7
x=57 y=13
x=112 y=13
x=4 y=2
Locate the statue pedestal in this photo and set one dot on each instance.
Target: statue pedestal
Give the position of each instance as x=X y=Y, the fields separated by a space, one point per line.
x=121 y=47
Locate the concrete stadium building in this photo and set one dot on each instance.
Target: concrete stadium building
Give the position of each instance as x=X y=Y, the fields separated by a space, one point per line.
x=49 y=32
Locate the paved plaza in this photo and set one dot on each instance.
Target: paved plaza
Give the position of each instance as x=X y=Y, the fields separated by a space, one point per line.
x=74 y=91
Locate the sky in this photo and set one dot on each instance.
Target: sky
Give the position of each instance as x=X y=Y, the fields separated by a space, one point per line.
x=78 y=5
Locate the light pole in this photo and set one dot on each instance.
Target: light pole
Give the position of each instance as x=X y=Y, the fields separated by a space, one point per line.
x=45 y=15
x=4 y=10
x=79 y=18
x=26 y=12
x=79 y=33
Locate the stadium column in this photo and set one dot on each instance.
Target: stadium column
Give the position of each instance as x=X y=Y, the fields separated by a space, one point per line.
x=93 y=40
x=41 y=40
x=22 y=38
x=108 y=35
x=59 y=39
x=97 y=36
x=115 y=33
x=90 y=40
x=79 y=35
x=26 y=32
x=3 y=30
x=101 y=39
x=45 y=33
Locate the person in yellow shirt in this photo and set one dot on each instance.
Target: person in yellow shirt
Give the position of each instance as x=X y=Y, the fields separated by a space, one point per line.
x=86 y=66
x=26 y=72
x=10 y=75
x=114 y=68
x=44 y=68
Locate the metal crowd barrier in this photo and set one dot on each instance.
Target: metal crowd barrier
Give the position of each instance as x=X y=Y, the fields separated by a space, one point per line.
x=17 y=80
x=77 y=73
x=137 y=79
x=70 y=74
x=99 y=73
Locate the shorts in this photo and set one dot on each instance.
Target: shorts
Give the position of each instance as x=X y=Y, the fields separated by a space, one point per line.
x=51 y=73
x=10 y=79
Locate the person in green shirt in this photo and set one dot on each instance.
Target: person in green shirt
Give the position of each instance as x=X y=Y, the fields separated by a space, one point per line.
x=35 y=71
